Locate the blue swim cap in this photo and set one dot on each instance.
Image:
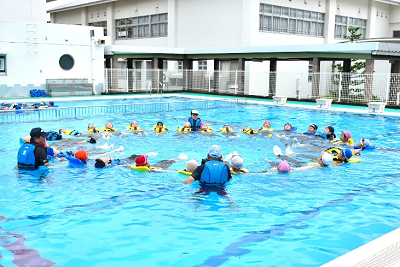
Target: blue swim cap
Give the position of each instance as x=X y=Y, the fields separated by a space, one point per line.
x=347 y=154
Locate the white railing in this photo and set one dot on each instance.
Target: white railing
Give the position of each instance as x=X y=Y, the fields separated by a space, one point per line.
x=342 y=87
x=27 y=115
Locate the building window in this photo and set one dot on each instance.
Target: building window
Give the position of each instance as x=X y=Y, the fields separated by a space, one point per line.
x=342 y=24
x=290 y=20
x=142 y=27
x=102 y=24
x=180 y=65
x=159 y=25
x=202 y=65
x=2 y=64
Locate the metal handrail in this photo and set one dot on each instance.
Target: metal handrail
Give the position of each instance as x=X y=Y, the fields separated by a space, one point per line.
x=160 y=87
x=148 y=87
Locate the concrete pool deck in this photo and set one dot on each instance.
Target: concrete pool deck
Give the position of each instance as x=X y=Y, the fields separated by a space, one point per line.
x=383 y=251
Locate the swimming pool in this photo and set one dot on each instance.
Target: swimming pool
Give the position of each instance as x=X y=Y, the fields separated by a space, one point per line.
x=115 y=217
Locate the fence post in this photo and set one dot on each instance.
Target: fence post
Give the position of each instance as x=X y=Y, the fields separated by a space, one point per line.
x=298 y=79
x=209 y=82
x=158 y=80
x=340 y=86
x=111 y=79
x=106 y=82
x=236 y=81
x=127 y=80
x=389 y=75
x=186 y=80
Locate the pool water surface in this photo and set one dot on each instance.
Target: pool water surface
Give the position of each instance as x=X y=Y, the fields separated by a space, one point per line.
x=82 y=216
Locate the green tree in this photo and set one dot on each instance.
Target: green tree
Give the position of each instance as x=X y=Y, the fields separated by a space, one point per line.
x=353 y=34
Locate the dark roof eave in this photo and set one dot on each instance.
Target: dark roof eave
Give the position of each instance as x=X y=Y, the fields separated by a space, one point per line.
x=265 y=56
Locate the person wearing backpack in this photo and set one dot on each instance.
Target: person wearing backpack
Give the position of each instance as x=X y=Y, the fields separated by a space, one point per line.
x=34 y=154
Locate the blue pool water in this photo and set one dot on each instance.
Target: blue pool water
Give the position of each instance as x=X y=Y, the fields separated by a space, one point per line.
x=82 y=216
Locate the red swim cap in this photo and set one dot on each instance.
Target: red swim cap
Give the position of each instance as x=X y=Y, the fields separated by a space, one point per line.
x=82 y=155
x=141 y=161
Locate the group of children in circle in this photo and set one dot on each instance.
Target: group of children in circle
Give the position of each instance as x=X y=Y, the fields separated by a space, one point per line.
x=234 y=160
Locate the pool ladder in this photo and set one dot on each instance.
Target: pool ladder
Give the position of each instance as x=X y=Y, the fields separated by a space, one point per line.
x=149 y=88
x=160 y=88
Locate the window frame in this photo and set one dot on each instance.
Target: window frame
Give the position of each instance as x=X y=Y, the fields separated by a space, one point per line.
x=3 y=64
x=202 y=64
x=343 y=23
x=153 y=25
x=281 y=19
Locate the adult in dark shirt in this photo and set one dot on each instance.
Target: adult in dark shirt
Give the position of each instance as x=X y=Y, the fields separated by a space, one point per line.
x=38 y=139
x=34 y=153
x=213 y=171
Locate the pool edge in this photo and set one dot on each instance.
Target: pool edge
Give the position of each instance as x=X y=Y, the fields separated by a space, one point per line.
x=383 y=251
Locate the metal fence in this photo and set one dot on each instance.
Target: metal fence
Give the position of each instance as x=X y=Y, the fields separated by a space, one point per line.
x=28 y=115
x=342 y=87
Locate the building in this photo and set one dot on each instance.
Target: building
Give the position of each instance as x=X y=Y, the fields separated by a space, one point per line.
x=231 y=23
x=156 y=35
x=35 y=54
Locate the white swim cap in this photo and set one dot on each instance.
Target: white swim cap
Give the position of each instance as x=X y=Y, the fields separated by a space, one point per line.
x=327 y=158
x=191 y=165
x=237 y=162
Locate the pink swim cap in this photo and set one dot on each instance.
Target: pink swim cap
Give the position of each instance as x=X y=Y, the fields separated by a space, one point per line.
x=283 y=167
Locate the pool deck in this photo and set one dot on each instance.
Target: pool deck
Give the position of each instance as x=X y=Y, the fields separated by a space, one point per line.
x=383 y=251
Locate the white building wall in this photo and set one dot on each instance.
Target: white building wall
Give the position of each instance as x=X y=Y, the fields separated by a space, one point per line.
x=172 y=23
x=33 y=52
x=193 y=23
x=97 y=13
x=394 y=20
x=209 y=23
x=24 y=10
x=250 y=23
x=354 y=8
x=382 y=18
x=266 y=38
x=71 y=17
